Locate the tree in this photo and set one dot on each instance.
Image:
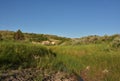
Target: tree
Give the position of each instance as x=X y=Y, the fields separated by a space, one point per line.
x=18 y=35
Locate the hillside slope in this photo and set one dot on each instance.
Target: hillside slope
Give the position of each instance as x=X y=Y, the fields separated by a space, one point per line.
x=57 y=40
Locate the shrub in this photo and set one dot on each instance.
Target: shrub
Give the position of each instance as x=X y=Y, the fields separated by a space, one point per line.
x=18 y=35
x=116 y=42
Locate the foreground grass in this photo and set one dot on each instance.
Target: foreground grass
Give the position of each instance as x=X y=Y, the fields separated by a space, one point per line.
x=15 y=55
x=94 y=62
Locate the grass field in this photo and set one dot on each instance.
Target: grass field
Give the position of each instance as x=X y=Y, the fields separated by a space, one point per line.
x=14 y=55
x=92 y=62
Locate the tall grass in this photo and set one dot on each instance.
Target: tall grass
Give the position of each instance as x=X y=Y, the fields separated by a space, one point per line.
x=16 y=55
x=94 y=62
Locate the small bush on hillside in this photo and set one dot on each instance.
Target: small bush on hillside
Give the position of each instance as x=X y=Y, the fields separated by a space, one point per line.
x=38 y=37
x=116 y=43
x=18 y=35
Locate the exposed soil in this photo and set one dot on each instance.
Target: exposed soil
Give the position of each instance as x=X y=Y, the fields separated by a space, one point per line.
x=36 y=75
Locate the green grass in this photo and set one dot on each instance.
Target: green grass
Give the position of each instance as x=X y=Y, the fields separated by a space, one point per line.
x=99 y=57
x=22 y=55
x=93 y=62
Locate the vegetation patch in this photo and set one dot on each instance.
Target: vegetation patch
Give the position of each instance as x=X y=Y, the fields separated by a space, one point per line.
x=91 y=58
x=16 y=55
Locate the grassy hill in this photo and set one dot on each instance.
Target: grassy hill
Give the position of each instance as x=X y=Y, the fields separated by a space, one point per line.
x=29 y=37
x=32 y=37
x=93 y=58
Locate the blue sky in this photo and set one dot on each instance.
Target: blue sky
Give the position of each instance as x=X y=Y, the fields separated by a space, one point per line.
x=68 y=18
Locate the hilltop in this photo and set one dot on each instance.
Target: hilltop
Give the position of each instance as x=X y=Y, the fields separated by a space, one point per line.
x=35 y=38
x=46 y=39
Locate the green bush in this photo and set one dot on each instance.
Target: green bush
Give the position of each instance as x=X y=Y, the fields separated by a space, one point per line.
x=116 y=43
x=19 y=35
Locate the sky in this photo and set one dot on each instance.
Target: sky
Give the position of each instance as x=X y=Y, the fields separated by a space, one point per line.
x=67 y=18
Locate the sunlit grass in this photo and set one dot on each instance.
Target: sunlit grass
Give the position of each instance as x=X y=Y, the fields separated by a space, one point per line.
x=103 y=61
x=93 y=62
